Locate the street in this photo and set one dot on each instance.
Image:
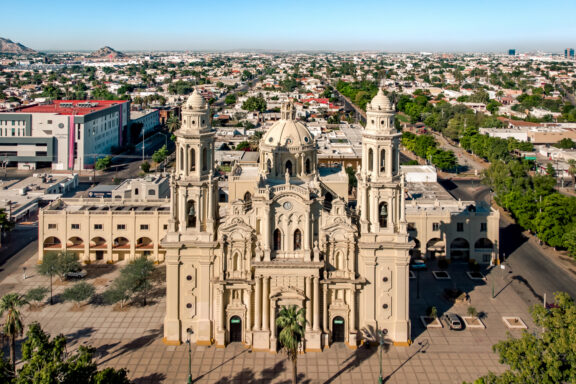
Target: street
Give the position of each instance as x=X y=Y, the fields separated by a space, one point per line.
x=538 y=270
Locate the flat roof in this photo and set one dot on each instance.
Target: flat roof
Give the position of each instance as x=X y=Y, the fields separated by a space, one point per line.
x=71 y=107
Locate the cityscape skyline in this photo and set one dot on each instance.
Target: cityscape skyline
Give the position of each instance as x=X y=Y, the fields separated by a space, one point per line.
x=488 y=26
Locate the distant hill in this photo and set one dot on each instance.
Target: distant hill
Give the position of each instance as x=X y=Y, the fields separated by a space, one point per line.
x=8 y=46
x=106 y=52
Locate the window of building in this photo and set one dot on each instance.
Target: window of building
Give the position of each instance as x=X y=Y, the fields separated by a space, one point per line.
x=297 y=240
x=165 y=227
x=49 y=121
x=192 y=159
x=75 y=226
x=483 y=227
x=277 y=240
x=435 y=226
x=121 y=227
x=460 y=227
x=191 y=214
x=136 y=192
x=97 y=226
x=52 y=226
x=143 y=227
x=370 y=159
x=204 y=159
x=383 y=215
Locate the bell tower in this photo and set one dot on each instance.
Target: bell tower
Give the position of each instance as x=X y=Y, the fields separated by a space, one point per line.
x=190 y=243
x=384 y=243
x=194 y=187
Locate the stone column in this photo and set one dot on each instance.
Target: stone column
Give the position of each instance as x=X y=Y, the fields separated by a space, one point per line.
x=266 y=303
x=308 y=302
x=258 y=304
x=402 y=203
x=248 y=303
x=172 y=319
x=306 y=245
x=316 y=321
x=389 y=160
x=266 y=219
x=352 y=310
x=325 y=308
x=221 y=308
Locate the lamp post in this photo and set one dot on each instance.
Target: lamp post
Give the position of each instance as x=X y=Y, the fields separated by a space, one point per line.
x=381 y=334
x=189 y=333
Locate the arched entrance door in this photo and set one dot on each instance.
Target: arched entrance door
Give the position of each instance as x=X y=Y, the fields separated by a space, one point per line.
x=235 y=329
x=338 y=330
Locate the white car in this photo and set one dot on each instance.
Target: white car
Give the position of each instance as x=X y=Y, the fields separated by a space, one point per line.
x=76 y=274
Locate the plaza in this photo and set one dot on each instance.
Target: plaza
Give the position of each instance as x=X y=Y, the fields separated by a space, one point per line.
x=132 y=337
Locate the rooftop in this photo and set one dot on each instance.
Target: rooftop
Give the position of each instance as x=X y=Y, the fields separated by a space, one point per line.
x=70 y=107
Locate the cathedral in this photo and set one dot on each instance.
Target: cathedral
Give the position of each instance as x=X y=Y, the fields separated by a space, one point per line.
x=287 y=236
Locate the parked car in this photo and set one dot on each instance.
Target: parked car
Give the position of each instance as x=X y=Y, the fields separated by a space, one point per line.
x=76 y=274
x=453 y=321
x=418 y=264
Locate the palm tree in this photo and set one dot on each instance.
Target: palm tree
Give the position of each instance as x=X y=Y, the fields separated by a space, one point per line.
x=173 y=123
x=572 y=171
x=13 y=326
x=292 y=320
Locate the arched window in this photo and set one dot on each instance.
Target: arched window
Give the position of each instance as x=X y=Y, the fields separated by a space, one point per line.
x=307 y=166
x=248 y=200
x=136 y=192
x=277 y=240
x=328 y=201
x=382 y=160
x=191 y=214
x=151 y=192
x=289 y=167
x=181 y=159
x=204 y=159
x=370 y=160
x=236 y=262
x=383 y=215
x=297 y=240
x=192 y=159
x=394 y=160
x=269 y=166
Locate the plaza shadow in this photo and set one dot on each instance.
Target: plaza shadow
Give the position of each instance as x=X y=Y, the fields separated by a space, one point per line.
x=152 y=378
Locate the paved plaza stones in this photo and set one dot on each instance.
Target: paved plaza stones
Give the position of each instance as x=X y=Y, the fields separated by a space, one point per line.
x=132 y=338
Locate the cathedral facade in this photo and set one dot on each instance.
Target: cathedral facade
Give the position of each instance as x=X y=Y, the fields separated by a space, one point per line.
x=287 y=236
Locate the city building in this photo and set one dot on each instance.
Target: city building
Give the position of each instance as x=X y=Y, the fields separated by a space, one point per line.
x=149 y=118
x=569 y=53
x=288 y=238
x=104 y=230
x=64 y=134
x=511 y=52
x=22 y=198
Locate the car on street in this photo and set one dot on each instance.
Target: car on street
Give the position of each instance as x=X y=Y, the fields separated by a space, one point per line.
x=453 y=321
x=76 y=274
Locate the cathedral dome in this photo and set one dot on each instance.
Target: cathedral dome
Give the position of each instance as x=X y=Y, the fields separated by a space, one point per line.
x=380 y=102
x=288 y=132
x=196 y=101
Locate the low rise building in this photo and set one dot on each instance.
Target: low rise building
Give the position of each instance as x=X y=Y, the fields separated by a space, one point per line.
x=106 y=230
x=149 y=118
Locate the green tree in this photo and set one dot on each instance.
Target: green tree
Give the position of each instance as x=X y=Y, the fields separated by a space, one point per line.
x=230 y=99
x=79 y=292
x=254 y=103
x=160 y=155
x=7 y=225
x=292 y=321
x=134 y=278
x=571 y=171
x=173 y=123
x=145 y=166
x=47 y=361
x=10 y=305
x=59 y=264
x=36 y=294
x=569 y=240
x=103 y=163
x=243 y=146
x=550 y=171
x=547 y=357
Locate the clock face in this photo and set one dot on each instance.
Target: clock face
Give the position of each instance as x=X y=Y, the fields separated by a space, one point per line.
x=287 y=205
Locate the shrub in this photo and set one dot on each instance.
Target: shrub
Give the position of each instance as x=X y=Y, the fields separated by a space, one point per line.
x=432 y=312
x=78 y=292
x=472 y=311
x=37 y=294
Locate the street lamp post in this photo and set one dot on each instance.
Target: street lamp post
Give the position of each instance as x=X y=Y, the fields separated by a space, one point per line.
x=381 y=334
x=189 y=333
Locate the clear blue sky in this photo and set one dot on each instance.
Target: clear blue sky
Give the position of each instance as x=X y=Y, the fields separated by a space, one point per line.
x=401 y=25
